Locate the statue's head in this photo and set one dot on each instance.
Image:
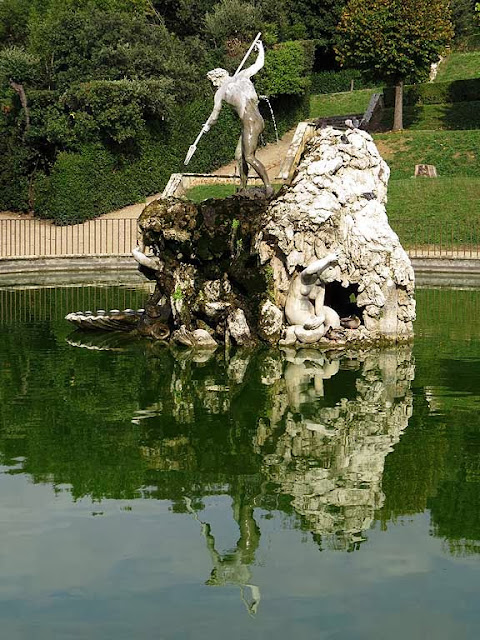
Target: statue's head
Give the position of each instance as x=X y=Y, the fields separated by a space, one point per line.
x=218 y=76
x=329 y=274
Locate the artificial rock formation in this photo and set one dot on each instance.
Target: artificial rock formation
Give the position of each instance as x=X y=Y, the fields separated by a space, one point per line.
x=317 y=264
x=337 y=203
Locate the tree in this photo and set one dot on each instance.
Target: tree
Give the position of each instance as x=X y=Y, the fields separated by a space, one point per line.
x=232 y=21
x=13 y=21
x=184 y=17
x=17 y=68
x=463 y=18
x=318 y=18
x=394 y=41
x=76 y=44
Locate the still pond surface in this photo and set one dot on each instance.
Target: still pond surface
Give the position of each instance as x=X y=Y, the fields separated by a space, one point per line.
x=150 y=493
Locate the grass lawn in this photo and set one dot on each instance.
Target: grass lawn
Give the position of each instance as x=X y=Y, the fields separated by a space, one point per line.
x=435 y=211
x=339 y=104
x=454 y=153
x=457 y=115
x=459 y=66
x=421 y=210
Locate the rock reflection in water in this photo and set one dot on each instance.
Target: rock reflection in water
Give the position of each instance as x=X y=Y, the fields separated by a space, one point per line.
x=324 y=425
x=297 y=430
x=330 y=457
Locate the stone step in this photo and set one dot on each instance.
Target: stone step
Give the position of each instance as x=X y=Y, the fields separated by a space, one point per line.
x=338 y=122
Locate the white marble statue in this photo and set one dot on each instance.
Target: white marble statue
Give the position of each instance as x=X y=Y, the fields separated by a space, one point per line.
x=305 y=310
x=239 y=92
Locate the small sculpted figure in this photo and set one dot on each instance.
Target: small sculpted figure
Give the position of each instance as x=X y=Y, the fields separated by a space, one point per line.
x=239 y=92
x=304 y=374
x=305 y=310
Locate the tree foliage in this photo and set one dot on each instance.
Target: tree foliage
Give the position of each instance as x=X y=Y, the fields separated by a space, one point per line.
x=286 y=69
x=319 y=19
x=76 y=74
x=232 y=21
x=89 y=43
x=14 y=16
x=17 y=65
x=394 y=41
x=463 y=18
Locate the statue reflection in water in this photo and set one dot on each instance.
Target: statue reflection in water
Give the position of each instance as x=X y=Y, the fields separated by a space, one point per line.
x=313 y=426
x=233 y=566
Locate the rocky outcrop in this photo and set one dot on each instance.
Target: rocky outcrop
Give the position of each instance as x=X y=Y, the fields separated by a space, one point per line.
x=204 y=263
x=337 y=202
x=226 y=269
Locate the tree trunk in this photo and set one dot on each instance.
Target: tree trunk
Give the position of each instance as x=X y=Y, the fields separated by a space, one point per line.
x=23 y=100
x=398 y=112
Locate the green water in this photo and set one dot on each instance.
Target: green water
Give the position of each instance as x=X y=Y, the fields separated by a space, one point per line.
x=148 y=493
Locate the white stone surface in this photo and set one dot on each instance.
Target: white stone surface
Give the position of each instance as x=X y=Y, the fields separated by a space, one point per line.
x=238 y=327
x=338 y=203
x=271 y=320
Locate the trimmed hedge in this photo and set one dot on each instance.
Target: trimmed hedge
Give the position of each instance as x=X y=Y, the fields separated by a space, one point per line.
x=337 y=81
x=14 y=178
x=95 y=180
x=435 y=93
x=287 y=68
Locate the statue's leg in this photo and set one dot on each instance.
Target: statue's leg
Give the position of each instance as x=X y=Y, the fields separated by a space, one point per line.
x=253 y=126
x=241 y=164
x=332 y=319
x=290 y=337
x=309 y=336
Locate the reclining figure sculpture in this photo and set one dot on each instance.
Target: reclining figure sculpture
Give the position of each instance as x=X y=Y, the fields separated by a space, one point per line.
x=305 y=311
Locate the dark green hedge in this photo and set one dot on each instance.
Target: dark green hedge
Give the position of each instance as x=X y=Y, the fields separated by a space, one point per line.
x=435 y=93
x=336 y=81
x=287 y=68
x=96 y=179
x=14 y=185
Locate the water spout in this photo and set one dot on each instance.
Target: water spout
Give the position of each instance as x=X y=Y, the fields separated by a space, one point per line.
x=273 y=115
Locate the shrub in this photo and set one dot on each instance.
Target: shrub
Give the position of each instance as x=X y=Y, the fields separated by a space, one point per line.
x=286 y=69
x=14 y=185
x=119 y=107
x=95 y=180
x=75 y=190
x=337 y=81
x=436 y=93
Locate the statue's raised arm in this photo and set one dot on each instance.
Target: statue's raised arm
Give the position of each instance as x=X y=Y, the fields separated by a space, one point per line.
x=258 y=64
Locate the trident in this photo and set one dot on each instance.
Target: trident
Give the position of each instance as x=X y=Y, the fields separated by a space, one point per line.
x=193 y=147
